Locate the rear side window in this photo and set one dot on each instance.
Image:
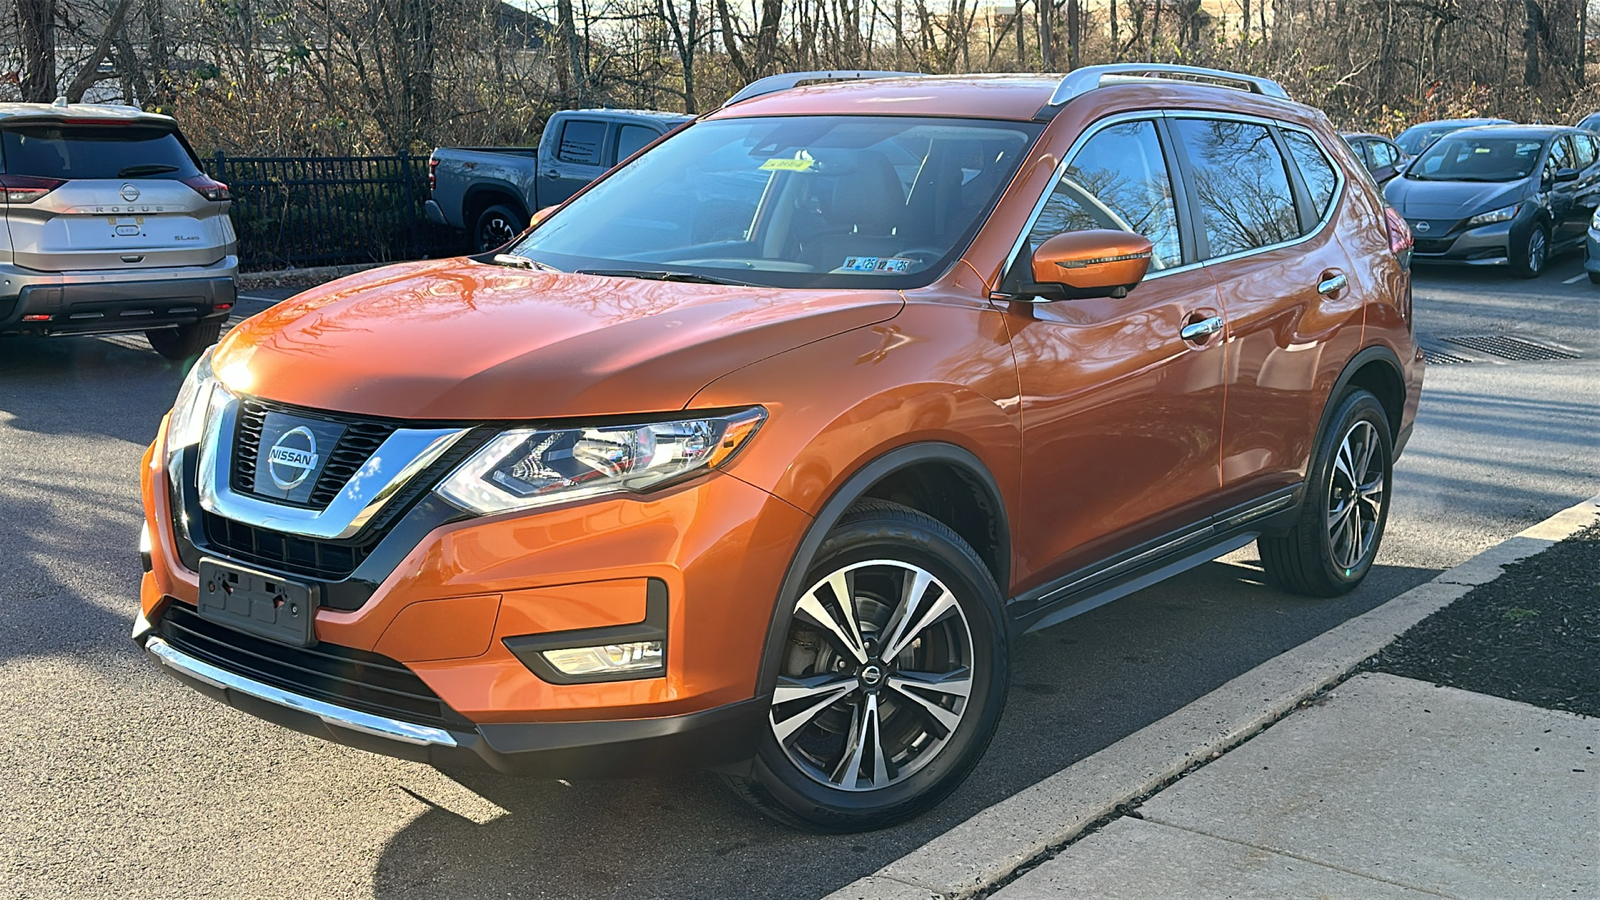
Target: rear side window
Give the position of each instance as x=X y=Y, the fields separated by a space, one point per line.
x=632 y=138
x=1382 y=154
x=95 y=151
x=1315 y=170
x=1119 y=180
x=1243 y=188
x=580 y=142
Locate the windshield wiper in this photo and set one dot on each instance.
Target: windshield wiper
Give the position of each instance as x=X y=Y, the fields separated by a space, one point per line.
x=656 y=275
x=145 y=169
x=513 y=261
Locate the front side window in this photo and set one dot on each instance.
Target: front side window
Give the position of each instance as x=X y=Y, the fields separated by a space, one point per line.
x=1315 y=170
x=792 y=201
x=631 y=139
x=1243 y=188
x=1382 y=154
x=1477 y=158
x=1560 y=156
x=1584 y=150
x=1118 y=180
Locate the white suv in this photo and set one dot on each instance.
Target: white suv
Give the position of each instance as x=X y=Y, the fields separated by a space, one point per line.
x=111 y=226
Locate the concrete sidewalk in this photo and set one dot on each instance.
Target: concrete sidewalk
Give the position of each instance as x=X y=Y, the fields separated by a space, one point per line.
x=1382 y=787
x=1387 y=787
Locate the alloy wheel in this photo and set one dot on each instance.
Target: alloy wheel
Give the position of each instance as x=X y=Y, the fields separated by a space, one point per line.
x=495 y=232
x=876 y=676
x=1538 y=250
x=1355 y=495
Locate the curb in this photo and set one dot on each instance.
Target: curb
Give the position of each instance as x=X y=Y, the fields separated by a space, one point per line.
x=989 y=848
x=248 y=281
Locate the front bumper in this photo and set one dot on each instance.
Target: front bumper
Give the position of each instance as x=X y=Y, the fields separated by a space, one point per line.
x=1591 y=252
x=1485 y=245
x=581 y=749
x=449 y=602
x=108 y=302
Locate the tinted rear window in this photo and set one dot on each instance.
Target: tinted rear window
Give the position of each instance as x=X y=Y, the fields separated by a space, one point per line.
x=95 y=151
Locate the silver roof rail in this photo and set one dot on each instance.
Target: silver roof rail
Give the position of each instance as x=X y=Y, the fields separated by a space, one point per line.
x=774 y=83
x=1081 y=81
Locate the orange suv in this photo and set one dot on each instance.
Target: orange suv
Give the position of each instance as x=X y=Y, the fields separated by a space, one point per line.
x=760 y=452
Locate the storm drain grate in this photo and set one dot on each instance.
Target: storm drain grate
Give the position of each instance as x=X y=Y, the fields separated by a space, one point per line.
x=1442 y=357
x=1509 y=347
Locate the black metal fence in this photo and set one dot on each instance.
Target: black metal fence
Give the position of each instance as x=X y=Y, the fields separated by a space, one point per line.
x=330 y=210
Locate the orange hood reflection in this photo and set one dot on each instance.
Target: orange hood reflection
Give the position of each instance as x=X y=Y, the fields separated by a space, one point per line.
x=455 y=339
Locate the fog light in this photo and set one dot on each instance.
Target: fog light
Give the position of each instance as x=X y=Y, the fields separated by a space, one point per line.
x=638 y=657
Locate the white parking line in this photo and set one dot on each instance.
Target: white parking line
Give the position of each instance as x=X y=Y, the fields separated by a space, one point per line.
x=1576 y=278
x=260 y=299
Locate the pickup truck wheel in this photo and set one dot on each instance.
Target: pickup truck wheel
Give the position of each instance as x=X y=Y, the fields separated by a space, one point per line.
x=185 y=341
x=496 y=226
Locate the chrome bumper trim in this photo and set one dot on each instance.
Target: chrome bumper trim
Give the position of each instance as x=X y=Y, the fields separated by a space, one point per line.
x=366 y=723
x=397 y=460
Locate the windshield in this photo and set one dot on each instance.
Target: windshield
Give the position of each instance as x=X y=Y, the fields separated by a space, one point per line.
x=1480 y=158
x=813 y=201
x=96 y=151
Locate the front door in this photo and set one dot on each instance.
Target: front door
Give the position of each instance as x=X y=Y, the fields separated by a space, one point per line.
x=1121 y=415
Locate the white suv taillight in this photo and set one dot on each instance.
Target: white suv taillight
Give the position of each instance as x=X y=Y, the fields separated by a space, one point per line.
x=209 y=188
x=433 y=174
x=1400 y=240
x=27 y=188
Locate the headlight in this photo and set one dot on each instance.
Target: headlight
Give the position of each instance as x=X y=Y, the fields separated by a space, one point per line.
x=525 y=467
x=200 y=396
x=1504 y=214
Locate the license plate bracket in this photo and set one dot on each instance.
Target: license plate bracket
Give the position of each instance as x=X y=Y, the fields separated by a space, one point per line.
x=259 y=603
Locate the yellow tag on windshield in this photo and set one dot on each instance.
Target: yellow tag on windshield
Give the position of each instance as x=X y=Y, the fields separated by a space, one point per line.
x=788 y=165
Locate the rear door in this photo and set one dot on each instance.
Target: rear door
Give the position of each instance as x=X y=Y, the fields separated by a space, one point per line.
x=577 y=156
x=1288 y=289
x=109 y=195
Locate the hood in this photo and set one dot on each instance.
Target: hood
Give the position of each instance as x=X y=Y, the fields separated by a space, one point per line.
x=456 y=339
x=1417 y=199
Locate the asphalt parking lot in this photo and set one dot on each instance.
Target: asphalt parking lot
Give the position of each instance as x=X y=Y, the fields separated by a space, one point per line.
x=122 y=782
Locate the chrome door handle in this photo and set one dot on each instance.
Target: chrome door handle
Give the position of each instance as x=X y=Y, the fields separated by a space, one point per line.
x=1197 y=330
x=1329 y=285
x=552 y=173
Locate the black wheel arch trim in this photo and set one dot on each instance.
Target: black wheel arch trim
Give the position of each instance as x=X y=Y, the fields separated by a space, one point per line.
x=852 y=489
x=1375 y=353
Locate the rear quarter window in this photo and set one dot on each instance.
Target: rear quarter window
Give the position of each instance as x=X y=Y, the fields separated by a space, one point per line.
x=95 y=151
x=1320 y=179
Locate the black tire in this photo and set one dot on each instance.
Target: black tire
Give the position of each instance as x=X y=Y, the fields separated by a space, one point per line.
x=1317 y=557
x=930 y=738
x=1530 y=255
x=496 y=226
x=185 y=341
x=1594 y=277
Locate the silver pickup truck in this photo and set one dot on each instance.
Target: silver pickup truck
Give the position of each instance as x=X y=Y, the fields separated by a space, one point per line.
x=491 y=191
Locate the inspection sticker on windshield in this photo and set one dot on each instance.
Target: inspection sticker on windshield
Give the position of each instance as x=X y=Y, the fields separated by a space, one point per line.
x=876 y=264
x=788 y=165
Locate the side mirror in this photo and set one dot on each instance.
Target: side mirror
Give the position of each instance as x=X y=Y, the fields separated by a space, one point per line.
x=1563 y=175
x=541 y=215
x=1083 y=264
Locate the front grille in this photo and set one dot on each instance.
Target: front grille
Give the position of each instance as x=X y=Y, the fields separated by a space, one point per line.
x=360 y=439
x=1438 y=245
x=356 y=679
x=289 y=553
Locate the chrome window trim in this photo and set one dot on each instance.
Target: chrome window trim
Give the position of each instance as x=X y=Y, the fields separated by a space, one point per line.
x=396 y=461
x=1119 y=118
x=332 y=714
